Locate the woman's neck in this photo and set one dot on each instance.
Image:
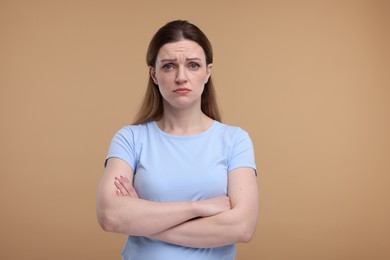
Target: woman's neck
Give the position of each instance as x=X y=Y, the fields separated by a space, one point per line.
x=184 y=124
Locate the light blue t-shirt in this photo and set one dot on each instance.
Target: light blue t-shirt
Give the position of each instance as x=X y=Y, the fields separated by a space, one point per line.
x=171 y=168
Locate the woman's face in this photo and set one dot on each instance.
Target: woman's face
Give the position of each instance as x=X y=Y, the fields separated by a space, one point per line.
x=181 y=73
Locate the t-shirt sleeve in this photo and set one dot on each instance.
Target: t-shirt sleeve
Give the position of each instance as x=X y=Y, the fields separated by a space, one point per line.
x=242 y=154
x=123 y=147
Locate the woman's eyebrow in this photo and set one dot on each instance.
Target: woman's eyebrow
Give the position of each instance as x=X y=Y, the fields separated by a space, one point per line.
x=172 y=60
x=167 y=60
x=192 y=59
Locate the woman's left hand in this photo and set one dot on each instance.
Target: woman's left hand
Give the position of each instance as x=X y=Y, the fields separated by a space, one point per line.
x=124 y=187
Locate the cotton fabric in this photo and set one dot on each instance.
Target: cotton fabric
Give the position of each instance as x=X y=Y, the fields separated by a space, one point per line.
x=169 y=168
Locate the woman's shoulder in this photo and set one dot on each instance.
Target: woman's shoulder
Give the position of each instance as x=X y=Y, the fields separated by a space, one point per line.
x=230 y=129
x=133 y=130
x=231 y=133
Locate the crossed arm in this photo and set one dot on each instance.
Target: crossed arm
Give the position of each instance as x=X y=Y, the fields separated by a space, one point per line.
x=208 y=223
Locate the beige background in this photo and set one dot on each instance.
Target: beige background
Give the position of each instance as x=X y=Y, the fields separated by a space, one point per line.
x=308 y=79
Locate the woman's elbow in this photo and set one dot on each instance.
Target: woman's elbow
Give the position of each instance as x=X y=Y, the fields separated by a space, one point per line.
x=246 y=237
x=106 y=221
x=246 y=234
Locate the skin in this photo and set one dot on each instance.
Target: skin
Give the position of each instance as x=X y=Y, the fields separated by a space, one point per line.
x=131 y=215
x=180 y=73
x=182 y=66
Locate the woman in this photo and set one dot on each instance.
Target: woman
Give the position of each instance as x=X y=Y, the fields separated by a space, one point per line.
x=178 y=182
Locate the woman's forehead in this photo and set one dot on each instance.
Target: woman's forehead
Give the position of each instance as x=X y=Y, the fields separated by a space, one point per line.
x=188 y=48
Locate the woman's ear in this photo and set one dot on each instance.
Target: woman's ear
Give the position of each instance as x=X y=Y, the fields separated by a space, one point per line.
x=208 y=71
x=152 y=73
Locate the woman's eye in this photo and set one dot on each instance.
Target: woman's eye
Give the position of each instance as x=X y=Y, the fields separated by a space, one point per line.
x=193 y=66
x=167 y=67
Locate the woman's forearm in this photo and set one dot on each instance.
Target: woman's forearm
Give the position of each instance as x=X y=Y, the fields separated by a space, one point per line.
x=215 y=231
x=138 y=217
x=207 y=223
x=236 y=225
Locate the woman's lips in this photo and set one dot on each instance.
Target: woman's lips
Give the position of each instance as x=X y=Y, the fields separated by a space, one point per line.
x=182 y=90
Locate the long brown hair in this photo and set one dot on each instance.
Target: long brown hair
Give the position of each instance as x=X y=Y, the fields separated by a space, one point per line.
x=152 y=105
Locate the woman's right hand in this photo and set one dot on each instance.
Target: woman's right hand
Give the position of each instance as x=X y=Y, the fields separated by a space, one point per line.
x=206 y=208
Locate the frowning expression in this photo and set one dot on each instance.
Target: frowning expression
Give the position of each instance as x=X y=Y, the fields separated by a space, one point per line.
x=181 y=73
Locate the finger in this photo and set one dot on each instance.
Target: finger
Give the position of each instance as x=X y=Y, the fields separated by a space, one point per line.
x=121 y=188
x=133 y=193
x=128 y=186
x=126 y=183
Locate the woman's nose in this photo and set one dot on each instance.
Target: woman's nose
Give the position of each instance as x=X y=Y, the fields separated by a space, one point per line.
x=181 y=76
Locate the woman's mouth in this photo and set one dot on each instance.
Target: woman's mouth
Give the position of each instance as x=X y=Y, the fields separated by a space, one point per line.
x=182 y=90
